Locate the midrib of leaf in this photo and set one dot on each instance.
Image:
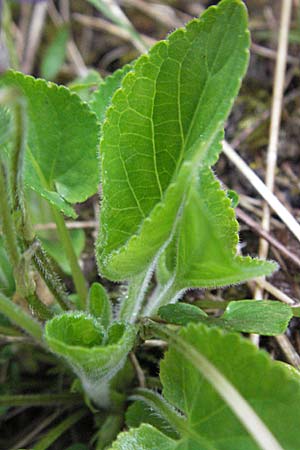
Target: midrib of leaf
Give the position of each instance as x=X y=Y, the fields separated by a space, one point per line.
x=208 y=78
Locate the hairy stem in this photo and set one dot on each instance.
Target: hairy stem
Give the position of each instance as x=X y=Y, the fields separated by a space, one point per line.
x=20 y=318
x=8 y=226
x=169 y=294
x=78 y=278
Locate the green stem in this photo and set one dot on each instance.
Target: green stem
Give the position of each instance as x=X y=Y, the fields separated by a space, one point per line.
x=109 y=431
x=8 y=226
x=19 y=317
x=58 y=430
x=78 y=278
x=170 y=293
x=40 y=399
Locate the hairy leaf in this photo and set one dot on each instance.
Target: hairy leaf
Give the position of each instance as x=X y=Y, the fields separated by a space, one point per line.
x=267 y=386
x=170 y=109
x=94 y=355
x=61 y=159
x=206 y=241
x=208 y=238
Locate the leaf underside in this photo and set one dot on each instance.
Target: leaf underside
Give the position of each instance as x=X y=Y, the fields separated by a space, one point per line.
x=266 y=385
x=168 y=113
x=61 y=161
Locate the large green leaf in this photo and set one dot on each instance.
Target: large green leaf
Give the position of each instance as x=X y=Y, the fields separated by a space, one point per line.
x=94 y=354
x=266 y=386
x=170 y=109
x=61 y=159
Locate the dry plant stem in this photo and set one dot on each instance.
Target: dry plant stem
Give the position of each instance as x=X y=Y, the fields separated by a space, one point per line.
x=279 y=85
x=289 y=351
x=34 y=36
x=276 y=113
x=255 y=226
x=98 y=23
x=284 y=214
x=138 y=370
x=74 y=54
x=37 y=428
x=70 y=225
x=159 y=12
x=265 y=285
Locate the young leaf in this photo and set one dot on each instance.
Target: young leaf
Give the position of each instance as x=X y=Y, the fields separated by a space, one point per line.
x=182 y=314
x=93 y=355
x=61 y=159
x=99 y=304
x=267 y=387
x=268 y=318
x=170 y=109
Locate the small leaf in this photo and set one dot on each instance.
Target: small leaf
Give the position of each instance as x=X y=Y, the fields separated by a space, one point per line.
x=266 y=386
x=61 y=159
x=264 y=317
x=99 y=304
x=92 y=354
x=181 y=313
x=169 y=110
x=55 y=53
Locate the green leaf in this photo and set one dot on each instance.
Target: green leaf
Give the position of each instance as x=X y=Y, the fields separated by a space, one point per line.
x=181 y=313
x=101 y=98
x=265 y=317
x=266 y=386
x=169 y=111
x=99 y=304
x=61 y=159
x=208 y=238
x=94 y=355
x=55 y=54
